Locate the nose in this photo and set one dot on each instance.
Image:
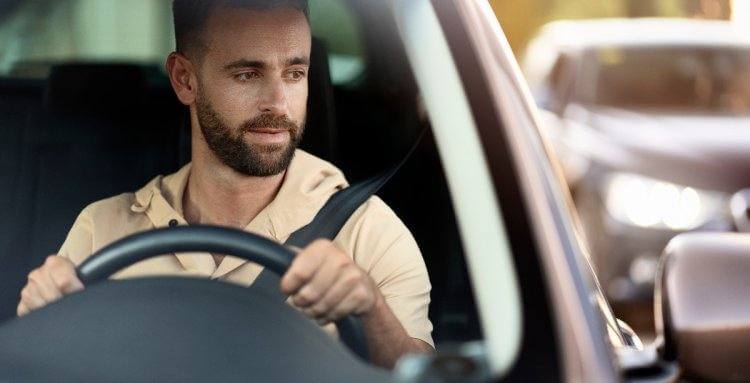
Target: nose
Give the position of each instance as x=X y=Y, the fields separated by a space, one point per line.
x=273 y=97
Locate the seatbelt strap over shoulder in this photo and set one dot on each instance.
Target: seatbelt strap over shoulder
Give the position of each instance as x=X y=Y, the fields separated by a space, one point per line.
x=341 y=205
x=332 y=217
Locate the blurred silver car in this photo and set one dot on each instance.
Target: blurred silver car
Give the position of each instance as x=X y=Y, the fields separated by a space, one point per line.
x=649 y=117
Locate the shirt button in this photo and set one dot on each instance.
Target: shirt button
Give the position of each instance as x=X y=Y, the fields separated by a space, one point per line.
x=173 y=223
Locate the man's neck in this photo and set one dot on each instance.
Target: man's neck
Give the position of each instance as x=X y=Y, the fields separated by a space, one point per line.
x=217 y=195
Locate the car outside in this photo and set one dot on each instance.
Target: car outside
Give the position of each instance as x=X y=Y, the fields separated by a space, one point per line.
x=648 y=117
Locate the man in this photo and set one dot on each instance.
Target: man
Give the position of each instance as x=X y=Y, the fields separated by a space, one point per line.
x=241 y=67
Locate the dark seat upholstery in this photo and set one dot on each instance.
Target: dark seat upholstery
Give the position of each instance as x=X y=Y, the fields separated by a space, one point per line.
x=320 y=128
x=96 y=131
x=19 y=99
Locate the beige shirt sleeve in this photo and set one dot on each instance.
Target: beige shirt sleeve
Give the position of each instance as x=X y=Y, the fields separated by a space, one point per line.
x=79 y=243
x=100 y=224
x=383 y=246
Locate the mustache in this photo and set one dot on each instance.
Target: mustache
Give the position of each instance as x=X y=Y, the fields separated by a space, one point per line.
x=270 y=121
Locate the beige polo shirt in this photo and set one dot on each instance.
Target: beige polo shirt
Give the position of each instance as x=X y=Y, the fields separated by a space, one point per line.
x=374 y=236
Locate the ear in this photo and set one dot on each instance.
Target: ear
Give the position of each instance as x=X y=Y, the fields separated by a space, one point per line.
x=183 y=77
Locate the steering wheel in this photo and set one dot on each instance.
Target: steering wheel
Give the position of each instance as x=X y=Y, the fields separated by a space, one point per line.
x=198 y=238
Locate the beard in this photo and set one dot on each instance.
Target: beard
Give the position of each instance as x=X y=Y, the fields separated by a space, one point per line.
x=229 y=146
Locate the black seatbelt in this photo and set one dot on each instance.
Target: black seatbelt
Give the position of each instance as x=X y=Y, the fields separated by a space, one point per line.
x=331 y=218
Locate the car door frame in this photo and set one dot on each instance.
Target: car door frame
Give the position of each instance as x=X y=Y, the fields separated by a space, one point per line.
x=491 y=74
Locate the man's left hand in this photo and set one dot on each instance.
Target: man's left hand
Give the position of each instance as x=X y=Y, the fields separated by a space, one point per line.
x=327 y=285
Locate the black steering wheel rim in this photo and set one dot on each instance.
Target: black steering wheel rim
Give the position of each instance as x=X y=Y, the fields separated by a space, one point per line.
x=200 y=238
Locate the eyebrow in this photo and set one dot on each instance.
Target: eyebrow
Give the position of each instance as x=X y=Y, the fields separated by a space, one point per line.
x=245 y=63
x=298 y=61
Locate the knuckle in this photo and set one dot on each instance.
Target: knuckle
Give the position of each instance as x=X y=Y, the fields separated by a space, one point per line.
x=65 y=281
x=317 y=311
x=60 y=266
x=321 y=308
x=352 y=278
x=309 y=294
x=300 y=275
x=299 y=302
x=359 y=295
x=35 y=275
x=342 y=262
x=26 y=294
x=292 y=277
x=307 y=274
x=53 y=261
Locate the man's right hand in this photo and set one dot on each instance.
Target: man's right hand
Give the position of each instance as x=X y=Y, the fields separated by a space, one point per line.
x=48 y=283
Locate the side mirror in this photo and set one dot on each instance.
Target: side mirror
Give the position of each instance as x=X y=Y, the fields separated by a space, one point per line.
x=702 y=305
x=740 y=206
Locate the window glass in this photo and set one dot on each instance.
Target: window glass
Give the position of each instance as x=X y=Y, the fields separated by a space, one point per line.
x=68 y=140
x=334 y=22
x=38 y=34
x=41 y=33
x=713 y=80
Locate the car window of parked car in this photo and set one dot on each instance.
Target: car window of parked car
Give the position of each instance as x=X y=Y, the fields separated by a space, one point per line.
x=712 y=80
x=559 y=84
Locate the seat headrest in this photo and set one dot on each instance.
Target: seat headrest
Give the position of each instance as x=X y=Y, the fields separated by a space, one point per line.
x=95 y=88
x=320 y=129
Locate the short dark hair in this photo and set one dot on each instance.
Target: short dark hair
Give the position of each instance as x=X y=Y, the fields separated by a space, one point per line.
x=190 y=17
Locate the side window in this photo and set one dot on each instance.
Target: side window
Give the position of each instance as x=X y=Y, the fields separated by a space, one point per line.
x=335 y=24
x=39 y=34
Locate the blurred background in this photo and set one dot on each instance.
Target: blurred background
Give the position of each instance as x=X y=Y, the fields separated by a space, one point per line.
x=521 y=19
x=646 y=103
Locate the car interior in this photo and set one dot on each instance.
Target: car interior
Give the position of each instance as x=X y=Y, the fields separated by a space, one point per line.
x=90 y=129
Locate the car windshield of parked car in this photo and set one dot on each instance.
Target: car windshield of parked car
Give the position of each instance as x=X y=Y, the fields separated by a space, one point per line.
x=678 y=79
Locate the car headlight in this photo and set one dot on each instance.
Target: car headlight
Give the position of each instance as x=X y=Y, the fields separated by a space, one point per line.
x=647 y=202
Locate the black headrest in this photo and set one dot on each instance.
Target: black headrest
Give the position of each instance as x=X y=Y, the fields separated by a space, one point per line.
x=95 y=88
x=319 y=138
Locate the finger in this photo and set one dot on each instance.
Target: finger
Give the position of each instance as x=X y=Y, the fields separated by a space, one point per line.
x=30 y=297
x=22 y=309
x=303 y=268
x=65 y=278
x=322 y=321
x=354 y=303
x=324 y=278
x=44 y=284
x=343 y=285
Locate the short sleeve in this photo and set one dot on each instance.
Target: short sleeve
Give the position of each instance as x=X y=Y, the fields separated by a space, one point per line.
x=382 y=245
x=78 y=244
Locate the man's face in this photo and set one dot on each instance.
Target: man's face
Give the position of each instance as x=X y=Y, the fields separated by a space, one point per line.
x=252 y=87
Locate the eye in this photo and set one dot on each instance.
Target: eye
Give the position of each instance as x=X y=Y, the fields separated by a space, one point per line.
x=297 y=75
x=246 y=76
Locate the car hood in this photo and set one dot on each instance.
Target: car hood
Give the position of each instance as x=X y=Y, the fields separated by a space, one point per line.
x=704 y=151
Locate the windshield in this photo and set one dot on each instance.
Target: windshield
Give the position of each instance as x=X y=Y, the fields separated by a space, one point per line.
x=87 y=112
x=678 y=79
